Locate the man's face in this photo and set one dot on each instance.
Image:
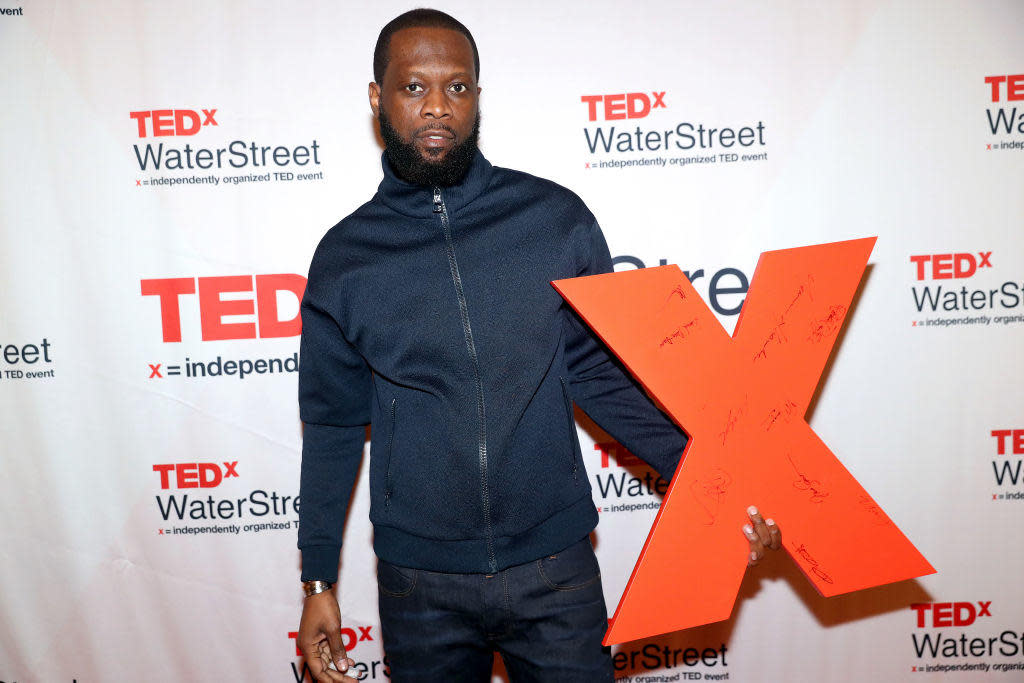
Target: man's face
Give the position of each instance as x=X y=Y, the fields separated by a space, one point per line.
x=427 y=105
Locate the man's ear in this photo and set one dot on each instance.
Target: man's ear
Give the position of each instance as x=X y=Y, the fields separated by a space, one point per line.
x=374 y=93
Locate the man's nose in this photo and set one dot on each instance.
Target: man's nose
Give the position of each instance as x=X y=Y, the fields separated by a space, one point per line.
x=436 y=105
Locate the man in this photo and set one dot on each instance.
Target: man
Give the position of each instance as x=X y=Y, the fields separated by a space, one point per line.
x=429 y=314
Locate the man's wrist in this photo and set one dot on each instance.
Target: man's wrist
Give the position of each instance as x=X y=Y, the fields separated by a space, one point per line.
x=311 y=588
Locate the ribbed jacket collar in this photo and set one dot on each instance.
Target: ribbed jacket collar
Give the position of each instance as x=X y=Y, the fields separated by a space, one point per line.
x=417 y=200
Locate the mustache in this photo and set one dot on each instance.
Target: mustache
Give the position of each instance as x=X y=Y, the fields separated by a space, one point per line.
x=435 y=126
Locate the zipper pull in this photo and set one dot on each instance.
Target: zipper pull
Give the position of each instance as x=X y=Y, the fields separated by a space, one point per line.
x=438 y=207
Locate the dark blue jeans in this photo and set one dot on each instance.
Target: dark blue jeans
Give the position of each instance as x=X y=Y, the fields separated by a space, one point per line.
x=546 y=619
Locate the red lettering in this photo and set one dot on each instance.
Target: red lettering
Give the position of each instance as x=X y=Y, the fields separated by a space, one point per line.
x=920 y=608
x=963 y=614
x=294 y=635
x=1015 y=87
x=623 y=458
x=1018 y=441
x=140 y=118
x=364 y=633
x=614 y=107
x=942 y=266
x=635 y=112
x=920 y=261
x=994 y=81
x=591 y=102
x=163 y=122
x=155 y=370
x=634 y=105
x=188 y=475
x=209 y=121
x=168 y=289
x=985 y=256
x=229 y=469
x=214 y=478
x=165 y=471
x=212 y=308
x=180 y=127
x=1000 y=435
x=942 y=614
x=267 y=287
x=983 y=609
x=965 y=271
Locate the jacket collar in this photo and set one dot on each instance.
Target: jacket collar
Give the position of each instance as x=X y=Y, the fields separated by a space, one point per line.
x=418 y=201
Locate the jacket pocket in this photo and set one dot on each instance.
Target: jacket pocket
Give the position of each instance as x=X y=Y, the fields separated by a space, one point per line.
x=391 y=444
x=572 y=429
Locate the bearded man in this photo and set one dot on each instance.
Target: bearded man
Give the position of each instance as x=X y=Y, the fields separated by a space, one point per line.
x=429 y=314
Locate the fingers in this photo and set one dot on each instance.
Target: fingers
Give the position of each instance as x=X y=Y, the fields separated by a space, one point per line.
x=776 y=534
x=328 y=672
x=756 y=547
x=762 y=535
x=336 y=651
x=760 y=528
x=319 y=660
x=323 y=670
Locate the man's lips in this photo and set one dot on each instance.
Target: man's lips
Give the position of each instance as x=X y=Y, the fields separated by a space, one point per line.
x=436 y=136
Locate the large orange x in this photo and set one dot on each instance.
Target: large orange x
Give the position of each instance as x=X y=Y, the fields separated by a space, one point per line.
x=742 y=400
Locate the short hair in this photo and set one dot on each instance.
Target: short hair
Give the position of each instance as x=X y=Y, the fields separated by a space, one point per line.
x=417 y=18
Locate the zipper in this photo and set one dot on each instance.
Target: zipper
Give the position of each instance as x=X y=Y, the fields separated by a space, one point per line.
x=391 y=442
x=572 y=428
x=481 y=412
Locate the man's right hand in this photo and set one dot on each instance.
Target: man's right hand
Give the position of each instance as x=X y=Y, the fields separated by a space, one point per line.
x=320 y=639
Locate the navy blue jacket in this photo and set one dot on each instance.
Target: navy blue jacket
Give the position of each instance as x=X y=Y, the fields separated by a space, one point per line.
x=429 y=314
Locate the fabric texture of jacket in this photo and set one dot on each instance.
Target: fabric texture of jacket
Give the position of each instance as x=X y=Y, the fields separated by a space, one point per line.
x=429 y=314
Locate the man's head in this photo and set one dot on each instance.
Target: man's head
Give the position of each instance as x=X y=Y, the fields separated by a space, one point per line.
x=425 y=96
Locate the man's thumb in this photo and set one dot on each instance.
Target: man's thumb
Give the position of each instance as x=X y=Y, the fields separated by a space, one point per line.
x=337 y=649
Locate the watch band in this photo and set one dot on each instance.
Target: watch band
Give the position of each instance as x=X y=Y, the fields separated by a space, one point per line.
x=314 y=587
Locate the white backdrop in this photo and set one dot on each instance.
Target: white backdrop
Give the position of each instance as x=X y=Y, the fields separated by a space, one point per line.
x=865 y=118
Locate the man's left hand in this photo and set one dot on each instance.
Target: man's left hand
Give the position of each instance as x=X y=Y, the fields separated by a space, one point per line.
x=762 y=534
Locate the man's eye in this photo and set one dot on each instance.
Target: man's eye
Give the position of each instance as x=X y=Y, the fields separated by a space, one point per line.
x=458 y=87
x=414 y=87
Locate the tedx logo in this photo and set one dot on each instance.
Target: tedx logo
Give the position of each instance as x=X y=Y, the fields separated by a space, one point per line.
x=349 y=638
x=1010 y=87
x=616 y=107
x=195 y=475
x=216 y=311
x=950 y=266
x=945 y=614
x=172 y=122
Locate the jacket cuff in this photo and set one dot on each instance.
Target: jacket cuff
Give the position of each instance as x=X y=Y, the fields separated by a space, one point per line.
x=320 y=563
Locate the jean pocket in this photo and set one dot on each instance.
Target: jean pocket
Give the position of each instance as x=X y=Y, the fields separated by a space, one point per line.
x=572 y=569
x=395 y=582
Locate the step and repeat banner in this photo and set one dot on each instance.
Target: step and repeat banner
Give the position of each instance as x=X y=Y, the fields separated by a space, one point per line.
x=167 y=170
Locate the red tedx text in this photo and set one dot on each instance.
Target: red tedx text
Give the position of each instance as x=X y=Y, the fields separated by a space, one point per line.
x=945 y=614
x=349 y=638
x=610 y=449
x=1006 y=87
x=1009 y=438
x=213 y=308
x=634 y=105
x=168 y=122
x=195 y=475
x=950 y=266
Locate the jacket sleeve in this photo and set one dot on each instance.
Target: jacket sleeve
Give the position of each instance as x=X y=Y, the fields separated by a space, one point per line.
x=334 y=405
x=603 y=388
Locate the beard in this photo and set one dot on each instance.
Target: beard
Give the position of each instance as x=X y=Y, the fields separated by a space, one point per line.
x=412 y=167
